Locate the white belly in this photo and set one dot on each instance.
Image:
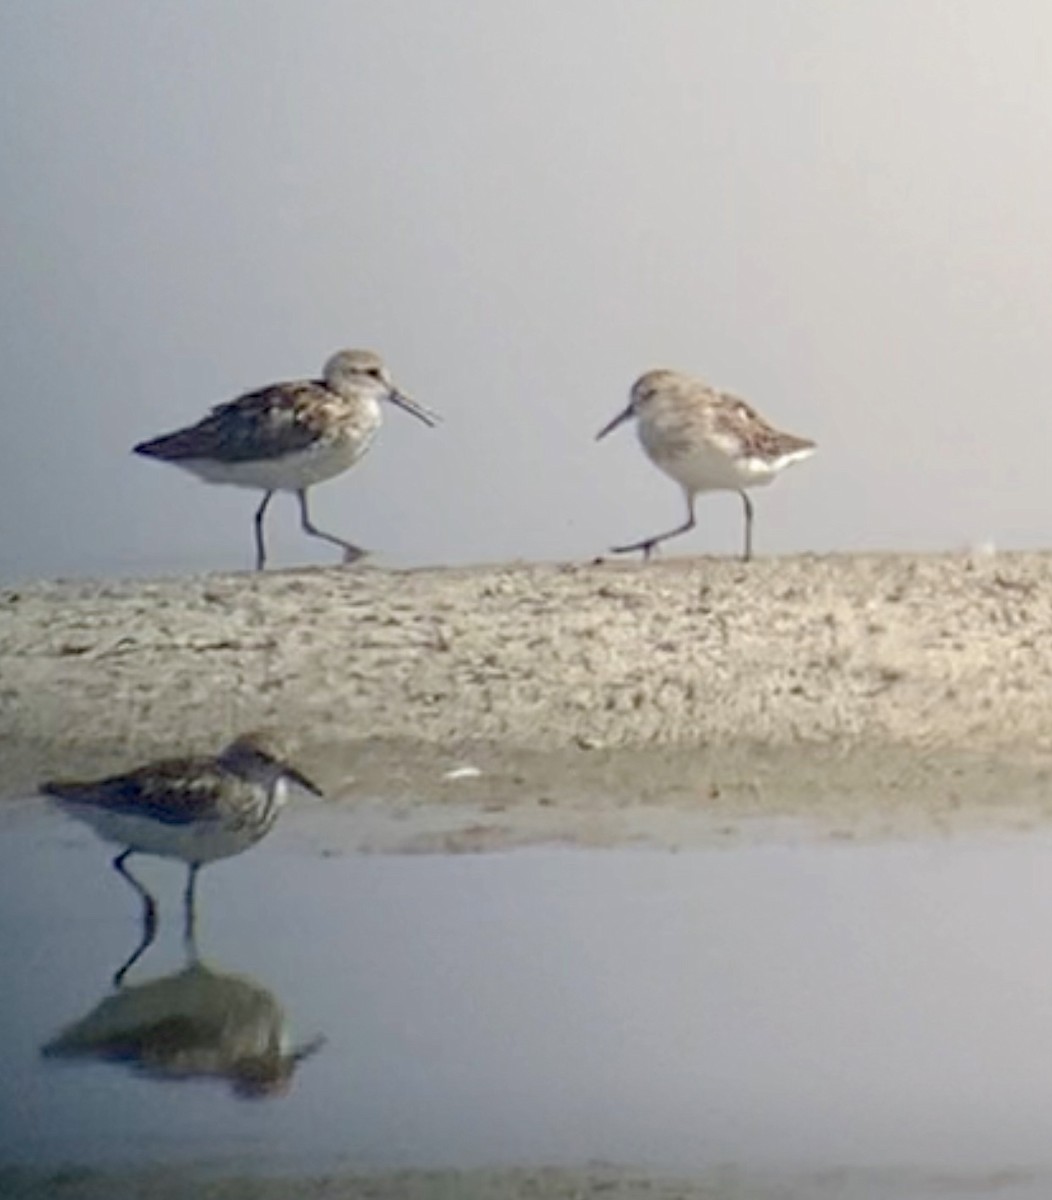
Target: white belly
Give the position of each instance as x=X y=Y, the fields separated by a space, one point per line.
x=290 y=472
x=708 y=469
x=197 y=843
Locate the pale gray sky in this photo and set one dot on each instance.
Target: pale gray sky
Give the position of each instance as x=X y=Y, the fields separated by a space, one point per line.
x=841 y=211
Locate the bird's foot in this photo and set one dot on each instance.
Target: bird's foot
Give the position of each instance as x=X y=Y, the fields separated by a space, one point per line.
x=646 y=547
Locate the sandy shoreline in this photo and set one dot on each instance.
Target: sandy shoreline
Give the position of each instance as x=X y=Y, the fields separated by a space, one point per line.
x=879 y=692
x=545 y=1183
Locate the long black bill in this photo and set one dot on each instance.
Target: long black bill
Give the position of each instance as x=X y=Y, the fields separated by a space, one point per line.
x=411 y=406
x=299 y=778
x=618 y=420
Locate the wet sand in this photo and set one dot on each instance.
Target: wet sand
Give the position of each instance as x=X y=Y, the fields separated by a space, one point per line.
x=519 y=1184
x=599 y=703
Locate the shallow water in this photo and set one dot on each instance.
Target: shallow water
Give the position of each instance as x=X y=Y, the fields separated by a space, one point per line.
x=788 y=1008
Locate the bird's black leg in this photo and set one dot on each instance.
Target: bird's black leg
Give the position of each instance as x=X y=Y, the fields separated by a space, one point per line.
x=189 y=905
x=648 y=544
x=261 y=552
x=747 y=555
x=149 y=917
x=351 y=552
x=190 y=910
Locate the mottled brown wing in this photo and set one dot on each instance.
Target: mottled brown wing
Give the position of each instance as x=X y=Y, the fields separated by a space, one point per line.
x=266 y=423
x=736 y=418
x=177 y=792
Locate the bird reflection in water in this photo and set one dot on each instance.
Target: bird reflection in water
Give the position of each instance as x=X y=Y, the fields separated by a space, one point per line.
x=193 y=1024
x=196 y=1023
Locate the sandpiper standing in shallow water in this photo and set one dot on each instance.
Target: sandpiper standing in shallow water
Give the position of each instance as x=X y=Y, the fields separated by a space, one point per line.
x=286 y=437
x=707 y=441
x=194 y=809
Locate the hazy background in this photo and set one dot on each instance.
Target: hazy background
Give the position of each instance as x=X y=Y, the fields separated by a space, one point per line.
x=841 y=210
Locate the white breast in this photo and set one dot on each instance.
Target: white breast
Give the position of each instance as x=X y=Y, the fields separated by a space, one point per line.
x=292 y=471
x=702 y=468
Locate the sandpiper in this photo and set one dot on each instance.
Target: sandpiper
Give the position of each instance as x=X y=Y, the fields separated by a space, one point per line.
x=707 y=441
x=194 y=809
x=286 y=437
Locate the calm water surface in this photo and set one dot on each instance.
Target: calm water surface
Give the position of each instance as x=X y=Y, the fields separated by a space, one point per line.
x=797 y=1007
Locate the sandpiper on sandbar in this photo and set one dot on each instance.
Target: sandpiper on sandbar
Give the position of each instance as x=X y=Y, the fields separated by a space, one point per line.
x=286 y=437
x=707 y=441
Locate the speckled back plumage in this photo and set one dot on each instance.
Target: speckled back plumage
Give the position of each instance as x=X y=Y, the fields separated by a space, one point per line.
x=679 y=411
x=268 y=423
x=174 y=791
x=263 y=424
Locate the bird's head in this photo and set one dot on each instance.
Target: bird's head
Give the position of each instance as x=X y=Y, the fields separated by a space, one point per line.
x=262 y=753
x=357 y=372
x=646 y=391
